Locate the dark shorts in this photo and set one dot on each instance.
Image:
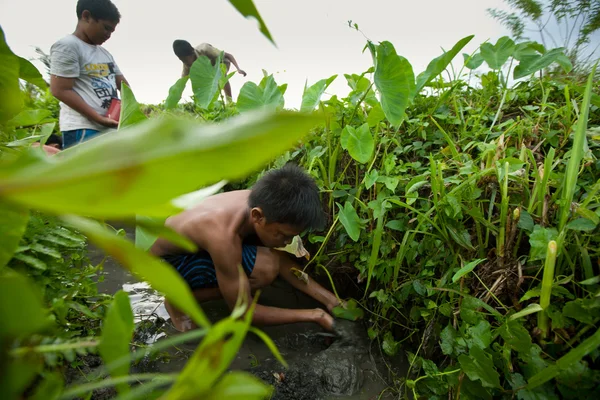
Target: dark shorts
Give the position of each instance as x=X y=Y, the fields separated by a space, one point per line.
x=198 y=270
x=71 y=138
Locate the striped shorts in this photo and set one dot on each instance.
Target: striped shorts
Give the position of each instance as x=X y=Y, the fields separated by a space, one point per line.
x=198 y=269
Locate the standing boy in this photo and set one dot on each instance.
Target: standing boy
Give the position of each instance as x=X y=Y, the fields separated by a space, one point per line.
x=84 y=75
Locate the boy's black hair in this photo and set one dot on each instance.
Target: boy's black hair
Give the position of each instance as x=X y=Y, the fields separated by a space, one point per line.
x=182 y=48
x=99 y=9
x=289 y=196
x=54 y=139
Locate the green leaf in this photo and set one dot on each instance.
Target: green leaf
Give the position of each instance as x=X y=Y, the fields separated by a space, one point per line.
x=376 y=115
x=389 y=345
x=31 y=117
x=480 y=335
x=478 y=366
x=525 y=221
x=205 y=80
x=533 y=63
x=530 y=309
x=32 y=261
x=563 y=363
x=28 y=72
x=539 y=239
x=248 y=10
x=130 y=109
x=17 y=376
x=175 y=93
x=150 y=227
x=466 y=269
x=474 y=61
x=577 y=152
x=146 y=165
x=395 y=81
x=359 y=142
x=350 y=311
x=371 y=178
x=582 y=225
x=496 y=55
x=161 y=276
x=516 y=336
x=312 y=95
x=448 y=337
x=21 y=309
x=396 y=225
x=239 y=385
x=582 y=310
x=11 y=100
x=439 y=64
x=13 y=222
x=350 y=221
x=540 y=393
x=266 y=95
x=117 y=332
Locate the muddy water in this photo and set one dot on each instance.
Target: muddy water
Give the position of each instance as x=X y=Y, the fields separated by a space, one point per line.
x=321 y=367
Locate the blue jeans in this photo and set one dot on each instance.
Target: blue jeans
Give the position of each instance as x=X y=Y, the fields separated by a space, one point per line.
x=71 y=138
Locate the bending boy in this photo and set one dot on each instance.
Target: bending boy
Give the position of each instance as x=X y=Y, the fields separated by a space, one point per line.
x=188 y=54
x=243 y=228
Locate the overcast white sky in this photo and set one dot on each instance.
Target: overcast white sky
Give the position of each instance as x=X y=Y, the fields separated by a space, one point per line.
x=313 y=38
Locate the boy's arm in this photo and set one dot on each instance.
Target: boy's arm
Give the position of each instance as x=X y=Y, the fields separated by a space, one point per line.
x=62 y=89
x=231 y=58
x=311 y=288
x=121 y=79
x=231 y=283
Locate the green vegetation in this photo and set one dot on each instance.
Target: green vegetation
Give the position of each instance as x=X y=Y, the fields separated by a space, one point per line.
x=466 y=207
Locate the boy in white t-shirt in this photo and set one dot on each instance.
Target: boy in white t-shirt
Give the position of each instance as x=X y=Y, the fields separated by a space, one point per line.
x=188 y=55
x=84 y=75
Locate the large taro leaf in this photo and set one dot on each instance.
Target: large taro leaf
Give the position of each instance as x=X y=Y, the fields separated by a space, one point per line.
x=359 y=142
x=175 y=93
x=312 y=95
x=28 y=72
x=395 y=81
x=439 y=64
x=21 y=307
x=11 y=101
x=533 y=63
x=117 y=332
x=160 y=275
x=350 y=220
x=248 y=10
x=13 y=221
x=205 y=80
x=144 y=166
x=131 y=114
x=496 y=55
x=266 y=95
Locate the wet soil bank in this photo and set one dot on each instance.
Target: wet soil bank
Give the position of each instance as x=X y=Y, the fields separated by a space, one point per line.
x=320 y=366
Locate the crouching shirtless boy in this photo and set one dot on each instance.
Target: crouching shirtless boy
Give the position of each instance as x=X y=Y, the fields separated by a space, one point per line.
x=244 y=227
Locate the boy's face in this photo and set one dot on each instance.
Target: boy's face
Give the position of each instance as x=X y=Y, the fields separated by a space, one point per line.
x=188 y=60
x=272 y=234
x=97 y=30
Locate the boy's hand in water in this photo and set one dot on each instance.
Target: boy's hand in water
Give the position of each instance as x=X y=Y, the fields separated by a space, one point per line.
x=324 y=319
